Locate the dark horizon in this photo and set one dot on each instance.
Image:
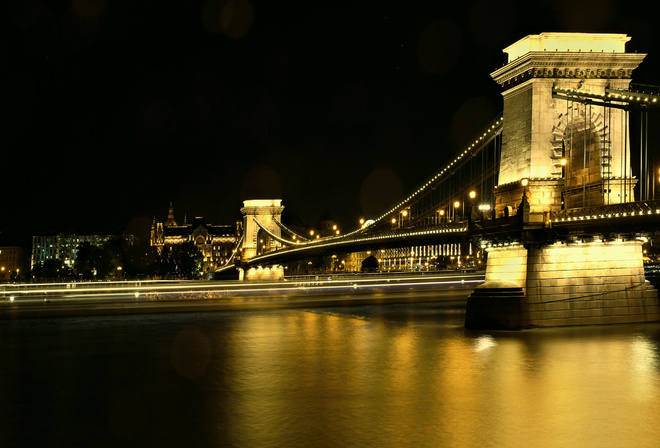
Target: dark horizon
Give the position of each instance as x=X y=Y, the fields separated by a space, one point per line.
x=116 y=109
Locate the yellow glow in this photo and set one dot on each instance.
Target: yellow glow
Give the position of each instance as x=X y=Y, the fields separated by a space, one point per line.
x=393 y=220
x=404 y=213
x=563 y=162
x=442 y=213
x=311 y=232
x=524 y=182
x=457 y=204
x=361 y=221
x=473 y=194
x=568 y=42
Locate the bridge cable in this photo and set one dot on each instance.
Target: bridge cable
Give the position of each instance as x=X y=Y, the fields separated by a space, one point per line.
x=289 y=231
x=272 y=235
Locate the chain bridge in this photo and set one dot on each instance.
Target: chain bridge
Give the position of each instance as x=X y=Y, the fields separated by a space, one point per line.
x=557 y=193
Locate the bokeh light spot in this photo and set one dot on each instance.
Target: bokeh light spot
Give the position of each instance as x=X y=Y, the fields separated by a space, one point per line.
x=89 y=9
x=233 y=17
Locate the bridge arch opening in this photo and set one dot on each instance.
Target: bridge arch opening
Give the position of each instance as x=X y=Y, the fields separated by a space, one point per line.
x=584 y=166
x=264 y=242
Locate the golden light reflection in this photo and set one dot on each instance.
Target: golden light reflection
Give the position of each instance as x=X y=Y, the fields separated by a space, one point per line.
x=424 y=381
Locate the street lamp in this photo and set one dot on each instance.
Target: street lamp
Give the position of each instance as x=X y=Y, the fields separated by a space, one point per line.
x=456 y=205
x=473 y=212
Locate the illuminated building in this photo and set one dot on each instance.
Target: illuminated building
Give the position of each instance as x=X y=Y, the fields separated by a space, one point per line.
x=13 y=261
x=216 y=242
x=64 y=247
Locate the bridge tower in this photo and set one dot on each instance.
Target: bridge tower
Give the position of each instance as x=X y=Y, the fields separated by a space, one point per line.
x=260 y=214
x=560 y=154
x=571 y=153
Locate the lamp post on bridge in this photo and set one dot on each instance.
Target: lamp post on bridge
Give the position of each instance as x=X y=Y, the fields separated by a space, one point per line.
x=473 y=194
x=523 y=209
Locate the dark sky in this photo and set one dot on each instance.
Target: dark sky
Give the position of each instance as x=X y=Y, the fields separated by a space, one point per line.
x=113 y=108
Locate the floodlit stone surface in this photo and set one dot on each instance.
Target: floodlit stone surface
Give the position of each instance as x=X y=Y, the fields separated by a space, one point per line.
x=539 y=130
x=270 y=273
x=564 y=284
x=571 y=154
x=255 y=239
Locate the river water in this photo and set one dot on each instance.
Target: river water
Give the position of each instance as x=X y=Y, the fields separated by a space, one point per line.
x=364 y=376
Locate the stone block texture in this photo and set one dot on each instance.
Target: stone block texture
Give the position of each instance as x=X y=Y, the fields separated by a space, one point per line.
x=600 y=282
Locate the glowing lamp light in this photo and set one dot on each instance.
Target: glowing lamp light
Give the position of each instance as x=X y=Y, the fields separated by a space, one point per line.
x=473 y=194
x=442 y=213
x=457 y=204
x=524 y=182
x=563 y=162
x=404 y=213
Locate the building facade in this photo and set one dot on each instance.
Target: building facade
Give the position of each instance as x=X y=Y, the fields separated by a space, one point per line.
x=14 y=260
x=64 y=247
x=217 y=243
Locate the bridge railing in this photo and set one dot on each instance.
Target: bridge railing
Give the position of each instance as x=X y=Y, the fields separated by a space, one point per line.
x=638 y=208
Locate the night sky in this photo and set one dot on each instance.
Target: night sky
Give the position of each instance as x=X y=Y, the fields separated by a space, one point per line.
x=112 y=109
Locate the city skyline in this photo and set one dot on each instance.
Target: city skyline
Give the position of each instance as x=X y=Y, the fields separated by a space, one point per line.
x=115 y=109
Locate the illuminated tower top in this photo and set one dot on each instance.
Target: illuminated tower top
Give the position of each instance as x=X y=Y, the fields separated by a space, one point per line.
x=568 y=42
x=170 y=217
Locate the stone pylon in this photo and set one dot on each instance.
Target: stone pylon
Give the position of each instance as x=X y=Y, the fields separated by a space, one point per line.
x=559 y=153
x=572 y=154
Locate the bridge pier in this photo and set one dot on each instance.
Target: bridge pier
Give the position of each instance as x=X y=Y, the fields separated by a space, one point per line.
x=261 y=273
x=563 y=284
x=560 y=154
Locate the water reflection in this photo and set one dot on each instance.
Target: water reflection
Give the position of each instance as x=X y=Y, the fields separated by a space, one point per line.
x=333 y=376
x=385 y=376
